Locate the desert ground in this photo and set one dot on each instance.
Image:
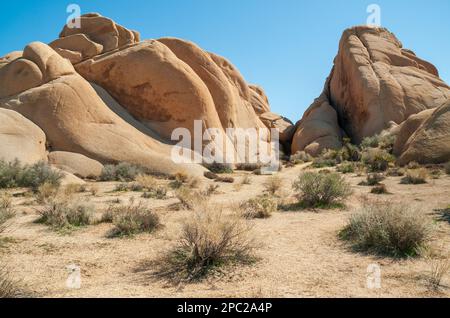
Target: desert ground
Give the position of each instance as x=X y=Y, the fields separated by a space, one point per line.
x=299 y=252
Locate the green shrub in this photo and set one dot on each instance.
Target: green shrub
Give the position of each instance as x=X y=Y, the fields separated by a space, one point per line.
x=124 y=172
x=377 y=160
x=61 y=215
x=218 y=168
x=13 y=174
x=131 y=219
x=209 y=240
x=391 y=229
x=260 y=207
x=384 y=141
x=300 y=157
x=318 y=190
x=346 y=167
x=373 y=179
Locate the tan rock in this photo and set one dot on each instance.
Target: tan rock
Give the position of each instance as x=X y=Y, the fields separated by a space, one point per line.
x=18 y=76
x=274 y=121
x=76 y=164
x=375 y=81
x=75 y=119
x=430 y=143
x=259 y=100
x=102 y=31
x=77 y=43
x=20 y=139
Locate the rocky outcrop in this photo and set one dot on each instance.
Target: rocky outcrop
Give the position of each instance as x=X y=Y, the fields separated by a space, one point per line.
x=430 y=142
x=20 y=139
x=75 y=164
x=374 y=84
x=75 y=119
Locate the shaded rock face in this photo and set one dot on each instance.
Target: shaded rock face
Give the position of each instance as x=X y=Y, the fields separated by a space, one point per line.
x=101 y=95
x=374 y=84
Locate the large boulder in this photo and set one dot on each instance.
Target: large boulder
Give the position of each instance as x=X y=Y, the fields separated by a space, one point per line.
x=374 y=85
x=76 y=164
x=430 y=143
x=20 y=139
x=375 y=81
x=75 y=119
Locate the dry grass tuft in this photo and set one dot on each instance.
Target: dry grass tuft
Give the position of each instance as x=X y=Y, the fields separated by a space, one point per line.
x=438 y=270
x=389 y=229
x=416 y=176
x=61 y=215
x=273 y=184
x=209 y=240
x=260 y=207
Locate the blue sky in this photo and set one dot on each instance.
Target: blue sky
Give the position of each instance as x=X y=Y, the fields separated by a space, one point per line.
x=286 y=46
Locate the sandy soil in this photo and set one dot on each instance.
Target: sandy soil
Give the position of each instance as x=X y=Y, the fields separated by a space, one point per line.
x=300 y=253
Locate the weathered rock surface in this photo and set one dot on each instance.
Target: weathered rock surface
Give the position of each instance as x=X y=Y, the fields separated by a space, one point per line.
x=76 y=164
x=20 y=139
x=375 y=83
x=430 y=143
x=75 y=119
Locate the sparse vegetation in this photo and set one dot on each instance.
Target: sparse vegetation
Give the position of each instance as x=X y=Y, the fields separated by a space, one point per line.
x=379 y=189
x=273 y=184
x=131 y=219
x=383 y=141
x=346 y=167
x=218 y=168
x=300 y=157
x=210 y=239
x=6 y=210
x=8 y=287
x=390 y=229
x=316 y=190
x=377 y=160
x=260 y=207
x=124 y=172
x=13 y=174
x=438 y=270
x=46 y=192
x=447 y=168
x=373 y=179
x=189 y=198
x=417 y=176
x=65 y=215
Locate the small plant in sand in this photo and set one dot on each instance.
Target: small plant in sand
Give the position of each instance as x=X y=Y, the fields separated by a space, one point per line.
x=260 y=207
x=390 y=229
x=6 y=209
x=273 y=184
x=300 y=157
x=416 y=176
x=189 y=198
x=379 y=189
x=346 y=167
x=178 y=180
x=218 y=168
x=131 y=219
x=210 y=190
x=46 y=192
x=317 y=190
x=373 y=179
x=377 y=160
x=439 y=268
x=124 y=172
x=8 y=287
x=61 y=215
x=210 y=239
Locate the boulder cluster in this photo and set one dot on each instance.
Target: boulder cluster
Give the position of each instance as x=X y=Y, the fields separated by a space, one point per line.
x=99 y=94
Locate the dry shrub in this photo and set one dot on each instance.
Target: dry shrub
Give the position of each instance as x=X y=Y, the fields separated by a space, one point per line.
x=417 y=176
x=189 y=198
x=146 y=181
x=389 y=229
x=210 y=190
x=94 y=189
x=377 y=160
x=447 y=168
x=317 y=190
x=346 y=167
x=46 y=192
x=131 y=219
x=379 y=189
x=413 y=165
x=260 y=207
x=6 y=210
x=8 y=287
x=273 y=184
x=396 y=172
x=438 y=270
x=373 y=179
x=300 y=157
x=218 y=168
x=209 y=240
x=123 y=172
x=60 y=214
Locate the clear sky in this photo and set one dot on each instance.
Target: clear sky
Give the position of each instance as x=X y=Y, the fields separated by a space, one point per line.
x=286 y=46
